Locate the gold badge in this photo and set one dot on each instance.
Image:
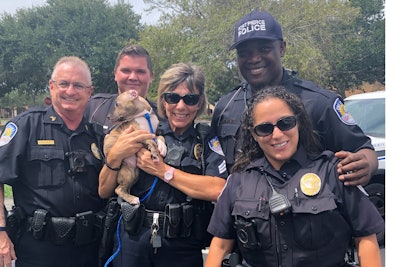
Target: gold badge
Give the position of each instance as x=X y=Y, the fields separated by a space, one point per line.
x=53 y=118
x=310 y=184
x=95 y=151
x=197 y=151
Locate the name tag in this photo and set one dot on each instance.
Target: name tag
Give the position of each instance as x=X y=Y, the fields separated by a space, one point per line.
x=45 y=142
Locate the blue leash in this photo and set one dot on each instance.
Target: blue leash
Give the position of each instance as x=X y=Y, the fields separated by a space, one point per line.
x=118 y=232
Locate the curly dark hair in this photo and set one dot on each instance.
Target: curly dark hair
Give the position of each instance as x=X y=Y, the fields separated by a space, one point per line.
x=250 y=150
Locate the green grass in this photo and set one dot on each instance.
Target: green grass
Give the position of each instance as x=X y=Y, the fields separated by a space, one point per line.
x=7 y=191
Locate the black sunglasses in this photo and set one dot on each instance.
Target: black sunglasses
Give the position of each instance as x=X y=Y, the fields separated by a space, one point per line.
x=189 y=99
x=284 y=124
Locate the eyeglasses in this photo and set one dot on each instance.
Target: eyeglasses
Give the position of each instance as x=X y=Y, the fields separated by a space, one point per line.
x=283 y=124
x=189 y=99
x=65 y=85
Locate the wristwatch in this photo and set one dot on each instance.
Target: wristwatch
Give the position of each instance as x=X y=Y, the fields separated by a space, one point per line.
x=168 y=175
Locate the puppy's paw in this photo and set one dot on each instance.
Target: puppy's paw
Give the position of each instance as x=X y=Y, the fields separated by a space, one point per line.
x=132 y=200
x=161 y=146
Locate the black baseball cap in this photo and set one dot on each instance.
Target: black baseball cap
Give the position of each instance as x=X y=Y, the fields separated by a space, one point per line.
x=257 y=25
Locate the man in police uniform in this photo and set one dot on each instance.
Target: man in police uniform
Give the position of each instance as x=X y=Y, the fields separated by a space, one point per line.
x=50 y=157
x=260 y=47
x=133 y=70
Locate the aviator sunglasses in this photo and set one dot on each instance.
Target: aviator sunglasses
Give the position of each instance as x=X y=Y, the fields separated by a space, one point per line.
x=189 y=99
x=283 y=124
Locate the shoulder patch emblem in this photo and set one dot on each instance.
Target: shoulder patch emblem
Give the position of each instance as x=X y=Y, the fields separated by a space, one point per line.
x=215 y=146
x=342 y=114
x=9 y=132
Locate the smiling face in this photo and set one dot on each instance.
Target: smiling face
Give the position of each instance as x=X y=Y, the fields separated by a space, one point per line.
x=180 y=115
x=70 y=102
x=279 y=146
x=260 y=62
x=133 y=73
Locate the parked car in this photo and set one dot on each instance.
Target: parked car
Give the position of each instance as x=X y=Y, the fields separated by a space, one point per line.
x=368 y=110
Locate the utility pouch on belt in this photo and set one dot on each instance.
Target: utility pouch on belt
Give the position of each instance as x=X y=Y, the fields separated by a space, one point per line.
x=133 y=216
x=85 y=228
x=61 y=230
x=187 y=220
x=172 y=221
x=38 y=223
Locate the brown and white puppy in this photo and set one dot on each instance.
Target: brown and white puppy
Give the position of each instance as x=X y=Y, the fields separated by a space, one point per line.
x=130 y=109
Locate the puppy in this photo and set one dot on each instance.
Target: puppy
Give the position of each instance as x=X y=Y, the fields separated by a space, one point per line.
x=130 y=109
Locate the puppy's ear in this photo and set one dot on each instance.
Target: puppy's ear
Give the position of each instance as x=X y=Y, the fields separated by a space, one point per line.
x=134 y=93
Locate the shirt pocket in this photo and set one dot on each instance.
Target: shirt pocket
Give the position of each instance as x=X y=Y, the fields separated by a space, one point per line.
x=257 y=213
x=46 y=166
x=316 y=221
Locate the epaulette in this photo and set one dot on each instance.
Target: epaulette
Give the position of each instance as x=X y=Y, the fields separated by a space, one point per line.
x=37 y=109
x=311 y=86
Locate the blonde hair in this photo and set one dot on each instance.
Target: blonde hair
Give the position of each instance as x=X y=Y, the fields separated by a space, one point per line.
x=193 y=78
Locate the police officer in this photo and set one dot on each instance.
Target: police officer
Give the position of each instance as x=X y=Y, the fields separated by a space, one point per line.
x=169 y=227
x=133 y=70
x=260 y=46
x=50 y=157
x=283 y=203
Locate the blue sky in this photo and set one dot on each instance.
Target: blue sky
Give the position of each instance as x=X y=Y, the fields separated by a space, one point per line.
x=10 y=6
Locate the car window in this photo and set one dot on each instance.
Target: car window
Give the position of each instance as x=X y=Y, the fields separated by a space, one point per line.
x=369 y=115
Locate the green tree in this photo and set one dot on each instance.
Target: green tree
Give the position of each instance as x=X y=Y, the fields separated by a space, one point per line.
x=33 y=39
x=318 y=34
x=362 y=52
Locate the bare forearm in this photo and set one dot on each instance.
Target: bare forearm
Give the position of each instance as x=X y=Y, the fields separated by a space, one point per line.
x=368 y=251
x=2 y=217
x=219 y=248
x=196 y=186
x=108 y=178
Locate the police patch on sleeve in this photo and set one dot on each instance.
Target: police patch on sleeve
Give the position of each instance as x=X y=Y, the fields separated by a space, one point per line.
x=215 y=146
x=8 y=134
x=341 y=112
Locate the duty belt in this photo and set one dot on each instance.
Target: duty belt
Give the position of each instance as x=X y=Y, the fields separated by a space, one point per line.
x=83 y=229
x=176 y=221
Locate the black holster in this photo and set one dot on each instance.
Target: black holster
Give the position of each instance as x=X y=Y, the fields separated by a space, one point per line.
x=132 y=217
x=202 y=215
x=109 y=220
x=85 y=228
x=15 y=218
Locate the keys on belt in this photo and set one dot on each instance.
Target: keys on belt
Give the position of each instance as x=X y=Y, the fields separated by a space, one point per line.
x=155 y=239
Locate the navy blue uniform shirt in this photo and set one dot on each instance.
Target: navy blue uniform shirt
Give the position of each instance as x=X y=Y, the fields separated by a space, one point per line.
x=336 y=128
x=33 y=159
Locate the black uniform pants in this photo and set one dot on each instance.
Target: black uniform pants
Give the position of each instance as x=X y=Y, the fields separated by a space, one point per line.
x=43 y=253
x=138 y=252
